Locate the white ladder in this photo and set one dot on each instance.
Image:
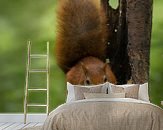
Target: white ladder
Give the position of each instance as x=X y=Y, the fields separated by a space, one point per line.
x=28 y=72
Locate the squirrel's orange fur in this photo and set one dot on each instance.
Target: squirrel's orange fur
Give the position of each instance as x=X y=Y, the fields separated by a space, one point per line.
x=81 y=42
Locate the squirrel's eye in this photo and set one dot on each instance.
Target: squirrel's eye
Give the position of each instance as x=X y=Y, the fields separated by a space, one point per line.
x=105 y=79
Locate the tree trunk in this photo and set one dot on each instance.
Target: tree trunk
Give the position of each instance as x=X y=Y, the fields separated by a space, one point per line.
x=129 y=46
x=139 y=19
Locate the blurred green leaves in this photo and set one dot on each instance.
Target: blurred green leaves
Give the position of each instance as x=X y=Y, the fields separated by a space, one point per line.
x=156 y=72
x=21 y=21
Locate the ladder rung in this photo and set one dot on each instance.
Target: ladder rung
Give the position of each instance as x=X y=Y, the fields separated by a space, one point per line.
x=36 y=105
x=37 y=70
x=38 y=56
x=36 y=89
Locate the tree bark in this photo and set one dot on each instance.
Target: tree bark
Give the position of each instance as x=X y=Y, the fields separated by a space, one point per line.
x=129 y=45
x=139 y=19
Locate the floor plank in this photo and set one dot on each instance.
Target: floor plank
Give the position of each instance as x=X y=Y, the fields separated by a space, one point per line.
x=1 y=124
x=30 y=125
x=22 y=125
x=17 y=126
x=5 y=126
x=13 y=126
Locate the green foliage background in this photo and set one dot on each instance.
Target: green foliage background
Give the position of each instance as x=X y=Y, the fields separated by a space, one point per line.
x=24 y=20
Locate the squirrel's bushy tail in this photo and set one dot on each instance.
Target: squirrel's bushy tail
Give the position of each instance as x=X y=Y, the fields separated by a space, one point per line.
x=81 y=32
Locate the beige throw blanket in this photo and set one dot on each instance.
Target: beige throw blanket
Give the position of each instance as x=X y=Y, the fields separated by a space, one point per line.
x=105 y=114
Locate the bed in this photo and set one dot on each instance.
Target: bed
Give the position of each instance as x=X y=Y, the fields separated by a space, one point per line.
x=105 y=114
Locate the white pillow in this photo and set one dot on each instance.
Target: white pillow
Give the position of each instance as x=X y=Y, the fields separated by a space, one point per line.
x=103 y=95
x=70 y=94
x=71 y=90
x=143 y=90
x=130 y=91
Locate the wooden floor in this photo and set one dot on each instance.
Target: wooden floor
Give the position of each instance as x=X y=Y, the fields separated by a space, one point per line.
x=17 y=126
x=15 y=121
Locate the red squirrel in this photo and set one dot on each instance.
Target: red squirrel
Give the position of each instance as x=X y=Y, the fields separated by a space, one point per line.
x=82 y=41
